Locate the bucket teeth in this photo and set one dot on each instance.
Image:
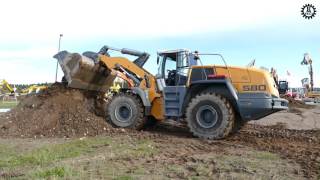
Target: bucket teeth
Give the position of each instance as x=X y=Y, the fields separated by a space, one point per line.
x=85 y=73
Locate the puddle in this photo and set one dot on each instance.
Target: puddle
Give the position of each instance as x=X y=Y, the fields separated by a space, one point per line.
x=4 y=110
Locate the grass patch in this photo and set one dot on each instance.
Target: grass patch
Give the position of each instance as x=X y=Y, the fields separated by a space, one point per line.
x=123 y=178
x=139 y=148
x=51 y=153
x=8 y=104
x=56 y=172
x=120 y=160
x=6 y=153
x=52 y=161
x=174 y=168
x=263 y=155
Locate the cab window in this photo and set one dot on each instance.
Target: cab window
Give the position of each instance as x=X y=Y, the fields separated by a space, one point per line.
x=170 y=65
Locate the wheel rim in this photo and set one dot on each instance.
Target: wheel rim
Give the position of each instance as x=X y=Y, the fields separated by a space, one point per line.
x=207 y=116
x=123 y=112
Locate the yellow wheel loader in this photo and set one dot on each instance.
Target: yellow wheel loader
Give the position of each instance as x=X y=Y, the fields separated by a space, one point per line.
x=214 y=100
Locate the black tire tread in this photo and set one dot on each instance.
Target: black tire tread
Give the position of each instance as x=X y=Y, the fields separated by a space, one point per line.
x=141 y=120
x=228 y=110
x=238 y=124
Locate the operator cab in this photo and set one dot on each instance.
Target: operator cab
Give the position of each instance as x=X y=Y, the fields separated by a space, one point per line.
x=174 y=66
x=172 y=79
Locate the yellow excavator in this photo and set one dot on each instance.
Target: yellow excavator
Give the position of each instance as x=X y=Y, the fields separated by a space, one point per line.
x=34 y=89
x=213 y=100
x=310 y=93
x=5 y=87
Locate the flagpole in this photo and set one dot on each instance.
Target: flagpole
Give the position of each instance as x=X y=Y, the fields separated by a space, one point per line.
x=60 y=36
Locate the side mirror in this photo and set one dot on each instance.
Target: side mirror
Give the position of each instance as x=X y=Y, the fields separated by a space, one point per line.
x=158 y=59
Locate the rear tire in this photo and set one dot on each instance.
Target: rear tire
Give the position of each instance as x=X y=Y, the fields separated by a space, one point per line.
x=126 y=111
x=210 y=116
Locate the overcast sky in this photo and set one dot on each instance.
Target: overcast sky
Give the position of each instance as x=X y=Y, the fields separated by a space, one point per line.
x=272 y=32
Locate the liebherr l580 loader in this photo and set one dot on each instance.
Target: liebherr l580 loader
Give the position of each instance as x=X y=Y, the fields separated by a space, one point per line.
x=214 y=100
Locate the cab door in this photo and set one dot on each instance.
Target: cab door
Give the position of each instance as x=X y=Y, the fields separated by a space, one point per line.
x=173 y=75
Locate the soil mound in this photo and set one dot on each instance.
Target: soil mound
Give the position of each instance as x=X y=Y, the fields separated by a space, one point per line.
x=58 y=111
x=293 y=103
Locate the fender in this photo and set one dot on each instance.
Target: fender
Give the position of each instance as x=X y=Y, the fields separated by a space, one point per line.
x=223 y=85
x=144 y=98
x=224 y=82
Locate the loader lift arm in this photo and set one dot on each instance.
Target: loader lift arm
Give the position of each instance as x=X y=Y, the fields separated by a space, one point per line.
x=140 y=61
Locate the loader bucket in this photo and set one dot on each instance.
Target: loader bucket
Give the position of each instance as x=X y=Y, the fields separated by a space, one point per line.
x=85 y=73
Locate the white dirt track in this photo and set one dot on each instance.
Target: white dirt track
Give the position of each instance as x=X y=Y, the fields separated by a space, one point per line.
x=296 y=118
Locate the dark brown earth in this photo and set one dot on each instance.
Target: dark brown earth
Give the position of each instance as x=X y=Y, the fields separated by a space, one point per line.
x=56 y=112
x=302 y=146
x=299 y=146
x=63 y=112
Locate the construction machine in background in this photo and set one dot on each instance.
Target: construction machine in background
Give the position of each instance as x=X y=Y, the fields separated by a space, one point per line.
x=308 y=61
x=283 y=87
x=34 y=89
x=6 y=91
x=214 y=100
x=313 y=95
x=310 y=93
x=5 y=87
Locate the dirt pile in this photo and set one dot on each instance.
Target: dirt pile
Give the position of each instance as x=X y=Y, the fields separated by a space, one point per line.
x=293 y=103
x=58 y=111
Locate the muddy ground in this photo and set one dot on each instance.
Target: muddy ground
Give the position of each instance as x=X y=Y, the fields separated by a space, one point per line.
x=57 y=135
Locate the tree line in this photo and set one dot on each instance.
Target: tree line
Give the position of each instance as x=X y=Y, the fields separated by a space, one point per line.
x=25 y=86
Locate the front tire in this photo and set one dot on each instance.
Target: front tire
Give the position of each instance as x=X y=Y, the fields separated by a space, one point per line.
x=210 y=116
x=126 y=111
x=238 y=124
x=64 y=81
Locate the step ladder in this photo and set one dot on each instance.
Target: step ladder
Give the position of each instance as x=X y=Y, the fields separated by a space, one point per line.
x=173 y=98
